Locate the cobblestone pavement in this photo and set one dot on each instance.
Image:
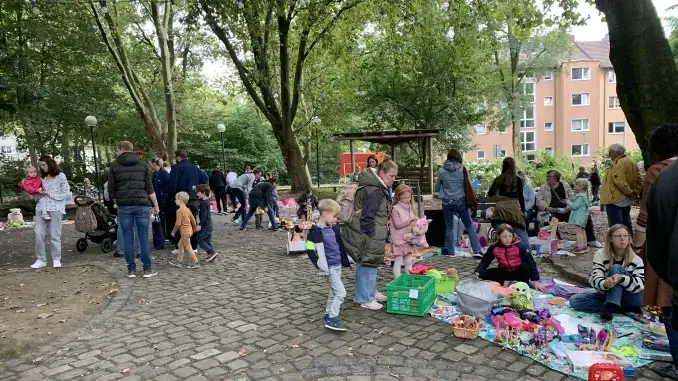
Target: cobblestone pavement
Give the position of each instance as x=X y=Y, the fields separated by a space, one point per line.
x=255 y=314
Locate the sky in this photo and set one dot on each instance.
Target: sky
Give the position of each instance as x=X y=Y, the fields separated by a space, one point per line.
x=596 y=29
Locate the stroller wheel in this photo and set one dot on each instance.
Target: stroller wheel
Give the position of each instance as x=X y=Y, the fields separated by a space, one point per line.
x=107 y=245
x=81 y=245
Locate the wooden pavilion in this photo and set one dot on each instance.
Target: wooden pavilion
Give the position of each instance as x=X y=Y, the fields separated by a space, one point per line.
x=422 y=176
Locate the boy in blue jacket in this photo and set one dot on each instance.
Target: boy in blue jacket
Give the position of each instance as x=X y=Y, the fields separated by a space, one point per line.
x=326 y=250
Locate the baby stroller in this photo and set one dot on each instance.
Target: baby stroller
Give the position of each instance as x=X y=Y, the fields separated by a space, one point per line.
x=93 y=219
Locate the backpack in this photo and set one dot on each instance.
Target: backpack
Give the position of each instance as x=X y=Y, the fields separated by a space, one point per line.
x=346 y=198
x=85 y=220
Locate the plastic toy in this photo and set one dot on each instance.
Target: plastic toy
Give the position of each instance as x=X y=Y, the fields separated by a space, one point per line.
x=418 y=235
x=626 y=351
x=605 y=372
x=520 y=298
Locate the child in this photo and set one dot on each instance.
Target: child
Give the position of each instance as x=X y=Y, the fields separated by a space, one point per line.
x=326 y=250
x=32 y=184
x=402 y=220
x=297 y=234
x=258 y=217
x=306 y=201
x=514 y=260
x=579 y=213
x=186 y=226
x=204 y=229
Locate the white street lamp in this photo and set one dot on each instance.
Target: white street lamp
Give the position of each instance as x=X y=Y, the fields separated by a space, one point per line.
x=221 y=129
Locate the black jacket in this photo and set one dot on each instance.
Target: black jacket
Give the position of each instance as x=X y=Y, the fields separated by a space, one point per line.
x=217 y=180
x=262 y=191
x=130 y=181
x=662 y=231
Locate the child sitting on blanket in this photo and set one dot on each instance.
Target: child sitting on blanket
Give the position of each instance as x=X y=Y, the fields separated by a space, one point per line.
x=515 y=262
x=402 y=221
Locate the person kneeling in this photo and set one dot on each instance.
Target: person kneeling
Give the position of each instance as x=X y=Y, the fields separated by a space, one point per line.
x=514 y=260
x=618 y=275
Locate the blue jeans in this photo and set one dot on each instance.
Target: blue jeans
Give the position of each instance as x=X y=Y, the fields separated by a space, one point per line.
x=128 y=217
x=254 y=204
x=238 y=196
x=593 y=302
x=619 y=215
x=204 y=238
x=449 y=210
x=276 y=208
x=337 y=292
x=365 y=283
x=120 y=244
x=671 y=333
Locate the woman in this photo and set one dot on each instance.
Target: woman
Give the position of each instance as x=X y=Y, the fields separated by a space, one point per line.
x=88 y=189
x=366 y=232
x=218 y=186
x=56 y=190
x=510 y=207
x=530 y=198
x=450 y=187
x=553 y=197
x=617 y=275
x=372 y=162
x=161 y=186
x=595 y=182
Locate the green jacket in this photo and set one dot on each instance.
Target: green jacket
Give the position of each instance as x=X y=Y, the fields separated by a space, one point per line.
x=365 y=233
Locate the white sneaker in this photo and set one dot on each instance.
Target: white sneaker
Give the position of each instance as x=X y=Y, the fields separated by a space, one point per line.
x=373 y=305
x=595 y=244
x=38 y=264
x=56 y=264
x=175 y=251
x=380 y=297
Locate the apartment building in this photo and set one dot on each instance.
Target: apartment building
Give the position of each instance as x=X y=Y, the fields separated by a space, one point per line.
x=573 y=110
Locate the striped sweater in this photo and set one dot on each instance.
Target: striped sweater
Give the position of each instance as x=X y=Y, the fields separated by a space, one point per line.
x=634 y=282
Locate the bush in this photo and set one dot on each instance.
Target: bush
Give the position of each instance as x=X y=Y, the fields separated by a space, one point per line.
x=11 y=172
x=484 y=171
x=26 y=205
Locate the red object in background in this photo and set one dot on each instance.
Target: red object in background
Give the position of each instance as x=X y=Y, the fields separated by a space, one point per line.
x=345 y=168
x=605 y=372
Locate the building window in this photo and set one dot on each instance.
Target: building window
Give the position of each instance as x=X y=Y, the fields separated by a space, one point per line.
x=581 y=73
x=527 y=119
x=580 y=150
x=581 y=124
x=548 y=126
x=481 y=130
x=497 y=151
x=481 y=155
x=548 y=76
x=548 y=101
x=616 y=127
x=528 y=91
x=613 y=102
x=549 y=150
x=581 y=99
x=528 y=141
x=611 y=76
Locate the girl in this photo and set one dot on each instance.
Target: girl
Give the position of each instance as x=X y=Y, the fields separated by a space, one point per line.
x=514 y=260
x=579 y=213
x=618 y=275
x=402 y=220
x=32 y=184
x=306 y=201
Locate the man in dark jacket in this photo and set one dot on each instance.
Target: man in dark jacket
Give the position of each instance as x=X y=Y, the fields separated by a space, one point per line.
x=130 y=186
x=662 y=251
x=261 y=197
x=184 y=177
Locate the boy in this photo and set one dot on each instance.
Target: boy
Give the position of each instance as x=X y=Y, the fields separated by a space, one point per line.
x=186 y=225
x=326 y=250
x=204 y=229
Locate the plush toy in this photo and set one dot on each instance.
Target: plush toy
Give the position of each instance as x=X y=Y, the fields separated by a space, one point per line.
x=520 y=298
x=418 y=235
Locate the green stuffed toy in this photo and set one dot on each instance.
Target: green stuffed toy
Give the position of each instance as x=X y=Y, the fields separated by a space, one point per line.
x=521 y=297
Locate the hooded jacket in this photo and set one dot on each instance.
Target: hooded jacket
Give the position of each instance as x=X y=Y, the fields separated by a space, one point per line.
x=364 y=235
x=130 y=181
x=217 y=180
x=509 y=258
x=183 y=177
x=450 y=185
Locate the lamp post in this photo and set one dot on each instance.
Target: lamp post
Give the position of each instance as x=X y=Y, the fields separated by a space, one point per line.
x=316 y=121
x=221 y=128
x=91 y=122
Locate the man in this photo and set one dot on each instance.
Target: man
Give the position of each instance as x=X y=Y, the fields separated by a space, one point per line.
x=184 y=177
x=621 y=186
x=130 y=186
x=261 y=197
x=230 y=179
x=661 y=250
x=582 y=173
x=240 y=189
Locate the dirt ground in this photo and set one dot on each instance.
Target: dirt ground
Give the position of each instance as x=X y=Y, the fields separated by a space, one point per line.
x=36 y=307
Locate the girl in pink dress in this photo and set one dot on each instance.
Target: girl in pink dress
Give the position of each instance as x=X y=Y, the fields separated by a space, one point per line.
x=402 y=220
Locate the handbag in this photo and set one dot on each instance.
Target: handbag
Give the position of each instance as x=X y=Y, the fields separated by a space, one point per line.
x=158 y=233
x=469 y=194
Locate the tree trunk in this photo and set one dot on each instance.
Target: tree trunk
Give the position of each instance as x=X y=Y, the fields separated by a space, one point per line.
x=167 y=68
x=646 y=73
x=297 y=170
x=515 y=136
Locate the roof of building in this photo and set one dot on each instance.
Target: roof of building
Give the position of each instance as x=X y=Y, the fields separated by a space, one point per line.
x=598 y=51
x=391 y=138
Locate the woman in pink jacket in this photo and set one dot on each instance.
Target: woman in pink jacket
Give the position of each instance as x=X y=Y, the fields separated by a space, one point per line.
x=402 y=220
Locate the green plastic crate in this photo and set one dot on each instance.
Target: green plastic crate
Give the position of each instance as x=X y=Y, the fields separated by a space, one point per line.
x=398 y=295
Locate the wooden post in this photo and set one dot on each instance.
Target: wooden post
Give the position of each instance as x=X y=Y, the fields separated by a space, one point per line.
x=430 y=162
x=393 y=157
x=350 y=148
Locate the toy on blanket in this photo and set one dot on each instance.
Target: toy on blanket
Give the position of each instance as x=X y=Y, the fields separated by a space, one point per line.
x=418 y=235
x=520 y=298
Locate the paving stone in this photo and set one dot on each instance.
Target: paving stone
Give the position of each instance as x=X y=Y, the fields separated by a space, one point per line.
x=227 y=356
x=237 y=364
x=185 y=371
x=205 y=354
x=57 y=370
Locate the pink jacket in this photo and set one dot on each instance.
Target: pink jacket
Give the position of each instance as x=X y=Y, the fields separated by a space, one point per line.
x=400 y=223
